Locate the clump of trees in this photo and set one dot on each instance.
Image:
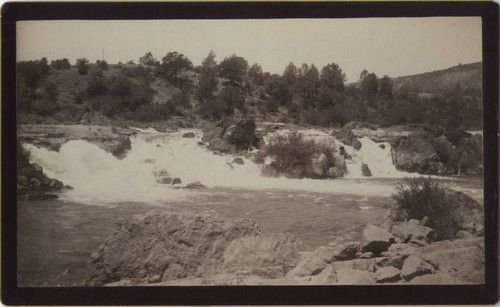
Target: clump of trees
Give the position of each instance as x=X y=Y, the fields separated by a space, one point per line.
x=303 y=94
x=82 y=65
x=60 y=64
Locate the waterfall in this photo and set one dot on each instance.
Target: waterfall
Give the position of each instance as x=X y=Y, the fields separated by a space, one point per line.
x=99 y=177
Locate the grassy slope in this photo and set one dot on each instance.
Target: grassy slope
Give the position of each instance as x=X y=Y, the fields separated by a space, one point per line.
x=468 y=76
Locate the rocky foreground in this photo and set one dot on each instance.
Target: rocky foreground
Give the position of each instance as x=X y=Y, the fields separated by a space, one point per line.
x=161 y=248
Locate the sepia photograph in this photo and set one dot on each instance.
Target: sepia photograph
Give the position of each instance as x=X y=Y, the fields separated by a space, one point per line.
x=250 y=152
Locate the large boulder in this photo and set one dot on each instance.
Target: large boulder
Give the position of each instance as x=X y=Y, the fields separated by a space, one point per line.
x=376 y=240
x=232 y=133
x=316 y=261
x=317 y=166
x=456 y=136
x=387 y=274
x=412 y=229
x=271 y=253
x=164 y=246
x=415 y=266
x=469 y=211
x=413 y=154
x=339 y=168
x=365 y=170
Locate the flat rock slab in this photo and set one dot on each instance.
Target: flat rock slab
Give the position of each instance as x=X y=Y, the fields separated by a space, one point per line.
x=348 y=276
x=376 y=240
x=387 y=274
x=414 y=266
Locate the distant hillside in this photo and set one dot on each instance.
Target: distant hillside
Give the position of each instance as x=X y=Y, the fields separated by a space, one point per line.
x=127 y=94
x=467 y=76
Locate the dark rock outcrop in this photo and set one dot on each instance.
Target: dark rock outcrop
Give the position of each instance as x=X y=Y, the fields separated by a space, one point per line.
x=111 y=139
x=431 y=152
x=413 y=154
x=232 y=134
x=32 y=183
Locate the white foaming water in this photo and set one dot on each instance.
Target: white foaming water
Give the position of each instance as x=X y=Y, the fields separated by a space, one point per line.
x=99 y=177
x=378 y=158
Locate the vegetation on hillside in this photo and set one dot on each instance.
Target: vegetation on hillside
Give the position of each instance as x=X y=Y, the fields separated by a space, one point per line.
x=156 y=90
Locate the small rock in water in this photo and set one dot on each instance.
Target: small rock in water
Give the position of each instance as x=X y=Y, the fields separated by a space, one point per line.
x=381 y=146
x=166 y=180
x=367 y=255
x=238 y=160
x=195 y=185
x=176 y=181
x=201 y=144
x=188 y=135
x=365 y=170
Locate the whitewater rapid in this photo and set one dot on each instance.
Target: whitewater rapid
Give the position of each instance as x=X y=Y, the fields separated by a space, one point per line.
x=98 y=177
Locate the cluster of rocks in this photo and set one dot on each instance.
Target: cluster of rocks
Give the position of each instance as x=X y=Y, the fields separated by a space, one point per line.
x=162 y=177
x=194 y=249
x=32 y=183
x=232 y=134
x=318 y=166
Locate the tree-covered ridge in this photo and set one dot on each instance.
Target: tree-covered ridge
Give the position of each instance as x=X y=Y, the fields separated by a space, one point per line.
x=173 y=86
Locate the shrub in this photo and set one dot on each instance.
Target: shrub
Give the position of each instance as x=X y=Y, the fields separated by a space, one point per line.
x=422 y=197
x=102 y=65
x=290 y=150
x=51 y=91
x=82 y=65
x=155 y=112
x=44 y=107
x=30 y=73
x=95 y=87
x=120 y=86
x=95 y=72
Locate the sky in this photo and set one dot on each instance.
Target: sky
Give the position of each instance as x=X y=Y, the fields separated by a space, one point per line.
x=386 y=46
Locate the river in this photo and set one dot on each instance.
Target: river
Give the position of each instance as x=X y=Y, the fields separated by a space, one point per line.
x=56 y=237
